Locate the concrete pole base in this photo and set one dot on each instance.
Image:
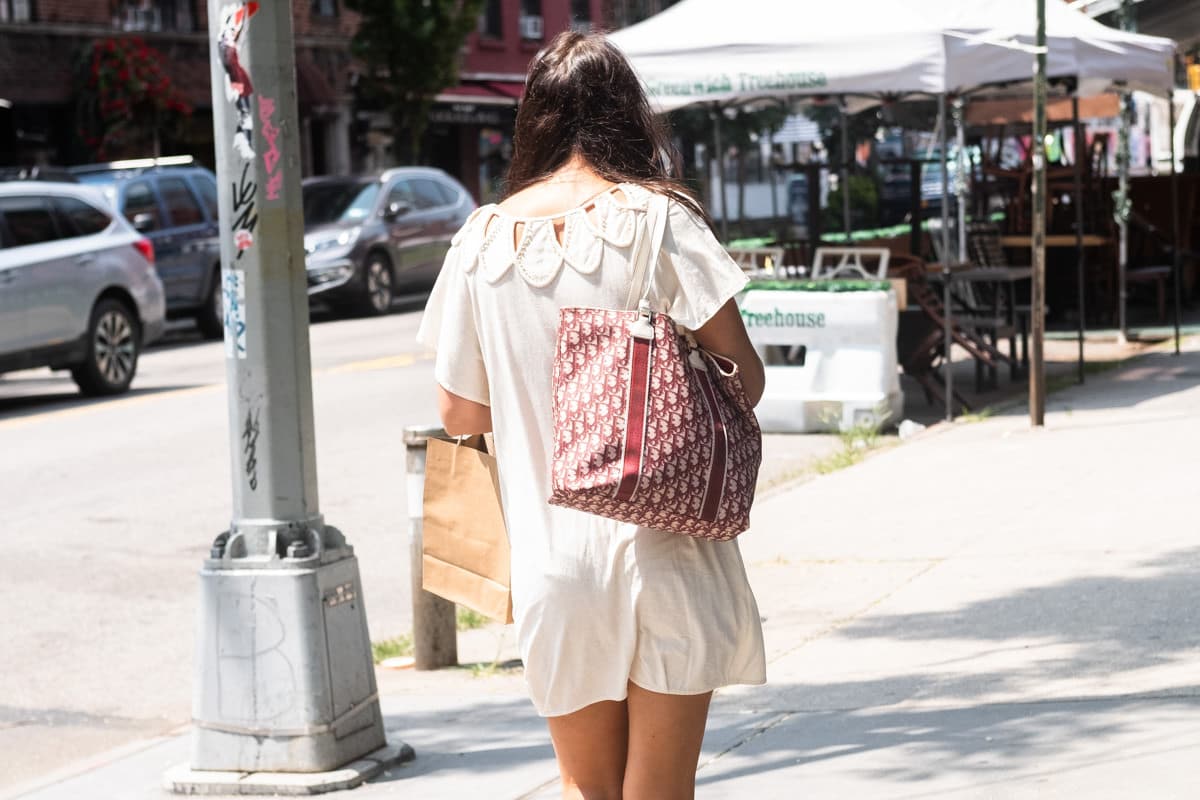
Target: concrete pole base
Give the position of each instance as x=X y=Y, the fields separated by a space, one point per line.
x=182 y=779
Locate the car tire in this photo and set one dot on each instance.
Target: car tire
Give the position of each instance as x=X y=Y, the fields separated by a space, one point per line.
x=378 y=286
x=210 y=319
x=114 y=341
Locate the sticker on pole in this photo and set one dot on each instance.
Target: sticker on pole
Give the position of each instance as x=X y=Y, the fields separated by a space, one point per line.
x=233 y=301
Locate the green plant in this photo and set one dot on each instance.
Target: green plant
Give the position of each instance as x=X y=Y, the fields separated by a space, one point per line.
x=391 y=648
x=855 y=440
x=864 y=205
x=469 y=619
x=411 y=50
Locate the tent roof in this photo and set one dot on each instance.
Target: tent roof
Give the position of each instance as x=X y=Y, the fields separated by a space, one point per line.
x=716 y=51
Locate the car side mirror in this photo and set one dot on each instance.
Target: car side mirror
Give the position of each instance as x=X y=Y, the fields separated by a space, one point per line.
x=143 y=222
x=396 y=210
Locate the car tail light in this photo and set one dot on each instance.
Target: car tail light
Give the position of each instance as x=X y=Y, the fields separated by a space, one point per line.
x=146 y=248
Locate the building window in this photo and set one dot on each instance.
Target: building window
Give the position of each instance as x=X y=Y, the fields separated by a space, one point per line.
x=154 y=15
x=491 y=21
x=324 y=8
x=530 y=23
x=16 y=10
x=581 y=15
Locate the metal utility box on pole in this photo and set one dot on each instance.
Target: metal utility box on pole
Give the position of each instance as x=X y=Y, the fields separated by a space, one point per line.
x=284 y=679
x=1037 y=314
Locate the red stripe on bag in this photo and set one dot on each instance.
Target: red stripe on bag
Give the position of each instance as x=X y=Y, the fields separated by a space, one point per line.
x=635 y=417
x=716 y=473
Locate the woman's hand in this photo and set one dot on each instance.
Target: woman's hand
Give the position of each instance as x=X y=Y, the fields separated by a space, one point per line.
x=462 y=417
x=725 y=334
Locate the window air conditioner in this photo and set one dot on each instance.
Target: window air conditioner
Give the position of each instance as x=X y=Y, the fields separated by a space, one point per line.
x=530 y=27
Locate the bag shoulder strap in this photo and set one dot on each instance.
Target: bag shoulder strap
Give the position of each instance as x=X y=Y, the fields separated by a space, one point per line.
x=648 y=249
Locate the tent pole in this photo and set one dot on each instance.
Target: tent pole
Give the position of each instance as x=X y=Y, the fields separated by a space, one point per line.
x=960 y=182
x=719 y=153
x=845 y=174
x=1176 y=261
x=1080 y=267
x=947 y=338
x=1037 y=316
x=771 y=178
x=1127 y=22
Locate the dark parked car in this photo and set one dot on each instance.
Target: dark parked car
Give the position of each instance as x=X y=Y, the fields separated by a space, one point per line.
x=367 y=237
x=173 y=202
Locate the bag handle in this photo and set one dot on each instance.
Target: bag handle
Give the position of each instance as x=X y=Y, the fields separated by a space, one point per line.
x=648 y=250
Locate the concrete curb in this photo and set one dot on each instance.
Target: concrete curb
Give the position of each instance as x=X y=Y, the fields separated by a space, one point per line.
x=181 y=779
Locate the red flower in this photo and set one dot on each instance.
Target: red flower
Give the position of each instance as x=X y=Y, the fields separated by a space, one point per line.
x=123 y=74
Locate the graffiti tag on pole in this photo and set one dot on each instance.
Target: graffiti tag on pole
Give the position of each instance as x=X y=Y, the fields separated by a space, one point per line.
x=233 y=300
x=238 y=86
x=270 y=135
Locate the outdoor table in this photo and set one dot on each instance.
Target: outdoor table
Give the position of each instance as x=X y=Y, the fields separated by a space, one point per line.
x=1003 y=279
x=830 y=352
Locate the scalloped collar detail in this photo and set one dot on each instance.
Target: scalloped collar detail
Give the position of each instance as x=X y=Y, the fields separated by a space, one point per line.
x=488 y=235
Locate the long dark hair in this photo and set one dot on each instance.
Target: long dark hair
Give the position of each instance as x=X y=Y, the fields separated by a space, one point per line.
x=583 y=98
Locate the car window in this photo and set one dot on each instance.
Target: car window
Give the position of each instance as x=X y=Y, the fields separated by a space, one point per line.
x=448 y=193
x=426 y=193
x=82 y=218
x=29 y=220
x=206 y=187
x=140 y=199
x=402 y=192
x=181 y=203
x=349 y=201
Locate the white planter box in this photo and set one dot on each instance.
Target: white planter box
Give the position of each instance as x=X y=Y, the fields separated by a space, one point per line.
x=849 y=371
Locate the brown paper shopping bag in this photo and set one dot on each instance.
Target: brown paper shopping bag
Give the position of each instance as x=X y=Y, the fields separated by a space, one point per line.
x=465 y=554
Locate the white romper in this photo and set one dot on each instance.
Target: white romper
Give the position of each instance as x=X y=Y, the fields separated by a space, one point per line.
x=597 y=603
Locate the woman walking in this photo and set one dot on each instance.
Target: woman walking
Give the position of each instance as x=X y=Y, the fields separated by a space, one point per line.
x=624 y=631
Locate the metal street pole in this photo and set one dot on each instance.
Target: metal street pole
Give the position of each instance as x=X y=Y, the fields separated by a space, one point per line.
x=1079 y=136
x=960 y=176
x=844 y=177
x=947 y=337
x=720 y=157
x=1176 y=255
x=1037 y=366
x=1121 y=202
x=284 y=674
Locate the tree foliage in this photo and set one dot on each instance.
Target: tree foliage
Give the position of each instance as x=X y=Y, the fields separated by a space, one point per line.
x=411 y=52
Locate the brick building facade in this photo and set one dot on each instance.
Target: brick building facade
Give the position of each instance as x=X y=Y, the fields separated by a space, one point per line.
x=41 y=47
x=470 y=132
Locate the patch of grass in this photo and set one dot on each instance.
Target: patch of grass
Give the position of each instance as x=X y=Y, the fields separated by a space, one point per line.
x=469 y=619
x=987 y=412
x=855 y=442
x=392 y=648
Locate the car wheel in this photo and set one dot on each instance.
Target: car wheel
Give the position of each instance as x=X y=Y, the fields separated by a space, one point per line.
x=211 y=317
x=113 y=344
x=377 y=292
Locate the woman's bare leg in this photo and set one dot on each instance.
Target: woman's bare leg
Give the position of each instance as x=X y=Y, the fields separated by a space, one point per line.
x=665 y=733
x=590 y=745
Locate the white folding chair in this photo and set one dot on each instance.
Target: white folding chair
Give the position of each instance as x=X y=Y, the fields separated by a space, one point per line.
x=848 y=262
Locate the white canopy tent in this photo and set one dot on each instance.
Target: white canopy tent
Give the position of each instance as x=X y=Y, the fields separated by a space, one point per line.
x=718 y=53
x=714 y=51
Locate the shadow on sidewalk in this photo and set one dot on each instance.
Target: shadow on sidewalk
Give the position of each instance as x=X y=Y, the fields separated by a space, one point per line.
x=974 y=746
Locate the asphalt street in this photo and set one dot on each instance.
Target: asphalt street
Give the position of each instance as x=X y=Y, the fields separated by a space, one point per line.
x=110 y=506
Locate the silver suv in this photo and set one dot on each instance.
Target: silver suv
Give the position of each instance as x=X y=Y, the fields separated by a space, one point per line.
x=78 y=289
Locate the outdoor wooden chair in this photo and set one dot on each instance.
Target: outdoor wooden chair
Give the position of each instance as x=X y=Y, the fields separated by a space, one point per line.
x=922 y=359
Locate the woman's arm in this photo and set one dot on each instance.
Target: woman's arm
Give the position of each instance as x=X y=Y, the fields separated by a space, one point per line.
x=462 y=417
x=725 y=334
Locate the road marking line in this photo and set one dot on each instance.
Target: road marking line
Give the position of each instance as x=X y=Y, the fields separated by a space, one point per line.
x=368 y=365
x=371 y=365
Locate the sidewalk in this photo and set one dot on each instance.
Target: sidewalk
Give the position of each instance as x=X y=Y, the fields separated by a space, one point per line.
x=986 y=611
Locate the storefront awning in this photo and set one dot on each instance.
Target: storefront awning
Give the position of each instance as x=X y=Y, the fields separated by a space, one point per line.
x=486 y=93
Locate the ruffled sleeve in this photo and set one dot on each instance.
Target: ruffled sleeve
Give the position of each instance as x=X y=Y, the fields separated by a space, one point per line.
x=449 y=328
x=694 y=276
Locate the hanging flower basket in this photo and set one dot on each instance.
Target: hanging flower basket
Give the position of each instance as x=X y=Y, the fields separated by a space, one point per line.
x=124 y=95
